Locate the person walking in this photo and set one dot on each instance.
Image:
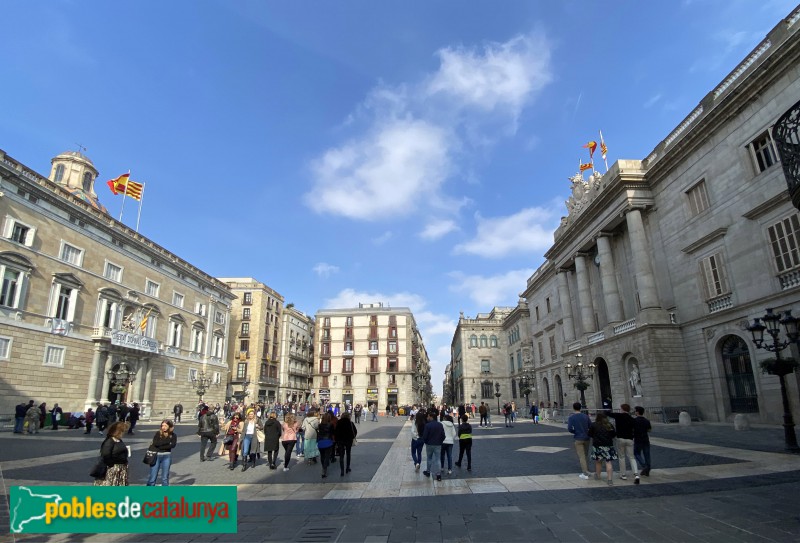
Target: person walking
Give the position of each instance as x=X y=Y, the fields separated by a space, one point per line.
x=482 y=413
x=534 y=413
x=272 y=439
x=133 y=417
x=357 y=413
x=450 y=434
x=344 y=436
x=164 y=440
x=42 y=414
x=433 y=436
x=114 y=453
x=602 y=433
x=374 y=410
x=641 y=440
x=177 y=410
x=101 y=417
x=624 y=427
x=309 y=428
x=578 y=425
x=207 y=429
x=55 y=416
x=417 y=428
x=232 y=430
x=325 y=442
x=289 y=430
x=88 y=419
x=465 y=442
x=32 y=418
x=253 y=436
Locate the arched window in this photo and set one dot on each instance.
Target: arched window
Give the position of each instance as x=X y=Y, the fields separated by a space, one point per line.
x=739 y=374
x=198 y=335
x=176 y=323
x=493 y=341
x=87 y=181
x=59 y=173
x=473 y=340
x=484 y=341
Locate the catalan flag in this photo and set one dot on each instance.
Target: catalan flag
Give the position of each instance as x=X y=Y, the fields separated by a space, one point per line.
x=143 y=324
x=587 y=166
x=592 y=145
x=123 y=185
x=603 y=148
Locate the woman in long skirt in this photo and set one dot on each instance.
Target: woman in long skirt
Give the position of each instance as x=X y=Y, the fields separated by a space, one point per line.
x=114 y=453
x=310 y=427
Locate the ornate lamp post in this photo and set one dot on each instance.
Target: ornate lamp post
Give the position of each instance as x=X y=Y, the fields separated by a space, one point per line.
x=779 y=366
x=582 y=375
x=497 y=395
x=786 y=134
x=201 y=383
x=528 y=382
x=121 y=378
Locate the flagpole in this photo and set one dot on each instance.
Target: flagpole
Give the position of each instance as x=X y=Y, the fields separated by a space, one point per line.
x=124 y=195
x=139 y=214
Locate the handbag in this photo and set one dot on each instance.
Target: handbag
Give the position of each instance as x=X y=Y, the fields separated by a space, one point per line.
x=150 y=457
x=227 y=440
x=99 y=470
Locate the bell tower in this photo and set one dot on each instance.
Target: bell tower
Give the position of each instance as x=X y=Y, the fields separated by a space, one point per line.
x=74 y=171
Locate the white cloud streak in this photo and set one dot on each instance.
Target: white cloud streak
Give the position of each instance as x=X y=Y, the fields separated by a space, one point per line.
x=437 y=229
x=527 y=231
x=496 y=290
x=325 y=270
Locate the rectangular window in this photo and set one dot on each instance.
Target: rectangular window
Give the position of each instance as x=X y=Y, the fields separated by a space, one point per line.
x=151 y=288
x=511 y=363
x=783 y=239
x=5 y=348
x=9 y=296
x=541 y=352
x=54 y=356
x=218 y=343
x=698 y=198
x=762 y=150
x=246 y=314
x=547 y=301
x=391 y=364
x=200 y=309
x=244 y=345
x=241 y=371
x=245 y=329
x=192 y=375
x=197 y=340
x=392 y=346
x=177 y=299
x=373 y=345
x=553 y=355
x=537 y=312
x=18 y=232
x=169 y=372
x=62 y=303
x=175 y=332
x=348 y=380
x=348 y=365
x=113 y=272
x=325 y=365
x=219 y=317
x=373 y=380
x=247 y=298
x=348 y=321
x=486 y=366
x=71 y=254
x=715 y=279
x=486 y=390
x=217 y=378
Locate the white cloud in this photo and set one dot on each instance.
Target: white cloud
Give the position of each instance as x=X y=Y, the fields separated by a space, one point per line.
x=496 y=290
x=527 y=231
x=383 y=238
x=500 y=76
x=383 y=174
x=325 y=270
x=652 y=101
x=437 y=229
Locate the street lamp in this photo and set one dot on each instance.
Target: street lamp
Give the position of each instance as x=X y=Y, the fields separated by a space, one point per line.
x=779 y=366
x=786 y=134
x=121 y=377
x=528 y=383
x=582 y=375
x=497 y=394
x=201 y=382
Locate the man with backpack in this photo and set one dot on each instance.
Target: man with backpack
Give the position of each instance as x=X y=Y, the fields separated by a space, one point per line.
x=207 y=429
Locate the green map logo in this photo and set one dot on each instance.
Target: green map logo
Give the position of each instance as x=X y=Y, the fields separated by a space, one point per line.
x=93 y=509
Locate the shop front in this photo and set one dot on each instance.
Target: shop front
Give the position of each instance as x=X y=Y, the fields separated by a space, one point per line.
x=324 y=396
x=391 y=396
x=372 y=397
x=347 y=397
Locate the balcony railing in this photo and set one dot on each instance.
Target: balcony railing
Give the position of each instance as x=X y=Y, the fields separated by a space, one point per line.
x=348 y=353
x=596 y=337
x=626 y=326
x=373 y=352
x=718 y=304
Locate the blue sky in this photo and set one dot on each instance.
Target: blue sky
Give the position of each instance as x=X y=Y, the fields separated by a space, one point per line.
x=414 y=153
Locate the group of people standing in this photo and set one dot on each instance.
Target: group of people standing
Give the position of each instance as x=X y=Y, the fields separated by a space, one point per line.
x=632 y=434
x=115 y=454
x=30 y=418
x=437 y=432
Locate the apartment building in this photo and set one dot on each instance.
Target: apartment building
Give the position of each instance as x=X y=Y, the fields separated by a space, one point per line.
x=296 y=355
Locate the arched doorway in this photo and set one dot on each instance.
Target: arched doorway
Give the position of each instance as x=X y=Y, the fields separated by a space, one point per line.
x=739 y=375
x=604 y=382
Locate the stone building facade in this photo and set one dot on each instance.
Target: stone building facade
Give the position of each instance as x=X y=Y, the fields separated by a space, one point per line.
x=661 y=263
x=296 y=356
x=370 y=354
x=254 y=350
x=85 y=299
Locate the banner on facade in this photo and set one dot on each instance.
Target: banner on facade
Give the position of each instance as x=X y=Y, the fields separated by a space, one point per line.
x=59 y=327
x=133 y=341
x=393 y=391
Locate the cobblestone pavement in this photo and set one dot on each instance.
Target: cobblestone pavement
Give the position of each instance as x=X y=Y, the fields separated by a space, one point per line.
x=709 y=483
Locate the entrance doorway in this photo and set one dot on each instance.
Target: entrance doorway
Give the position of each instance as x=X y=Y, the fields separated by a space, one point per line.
x=391 y=399
x=739 y=375
x=603 y=378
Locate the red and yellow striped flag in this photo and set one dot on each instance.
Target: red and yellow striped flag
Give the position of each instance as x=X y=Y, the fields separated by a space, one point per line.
x=603 y=148
x=587 y=166
x=592 y=145
x=123 y=185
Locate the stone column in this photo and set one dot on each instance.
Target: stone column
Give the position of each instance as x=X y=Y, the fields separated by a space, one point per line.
x=584 y=294
x=98 y=359
x=146 y=404
x=642 y=267
x=566 y=306
x=137 y=388
x=608 y=278
x=103 y=397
